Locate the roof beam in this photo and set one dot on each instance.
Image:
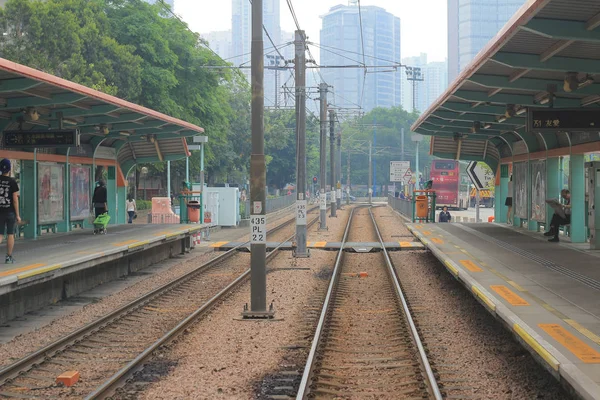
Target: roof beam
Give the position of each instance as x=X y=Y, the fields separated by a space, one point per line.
x=593 y=22
x=18 y=84
x=485 y=133
x=518 y=74
x=527 y=100
x=441 y=123
x=158 y=152
x=494 y=92
x=562 y=64
x=62 y=98
x=103 y=119
x=466 y=107
x=77 y=112
x=555 y=49
x=449 y=115
x=129 y=126
x=535 y=85
x=562 y=29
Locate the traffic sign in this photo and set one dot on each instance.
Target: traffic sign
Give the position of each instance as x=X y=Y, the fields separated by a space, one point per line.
x=398 y=170
x=408 y=175
x=480 y=176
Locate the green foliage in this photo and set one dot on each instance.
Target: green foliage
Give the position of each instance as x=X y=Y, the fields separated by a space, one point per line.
x=381 y=126
x=143 y=204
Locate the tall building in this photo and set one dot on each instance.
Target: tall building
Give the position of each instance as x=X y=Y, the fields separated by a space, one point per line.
x=241 y=38
x=342 y=45
x=425 y=92
x=471 y=25
x=219 y=42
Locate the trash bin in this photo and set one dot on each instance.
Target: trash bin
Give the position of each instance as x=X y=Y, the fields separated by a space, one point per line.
x=193 y=207
x=422 y=206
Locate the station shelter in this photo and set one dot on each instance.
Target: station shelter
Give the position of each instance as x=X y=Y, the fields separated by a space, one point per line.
x=56 y=169
x=529 y=106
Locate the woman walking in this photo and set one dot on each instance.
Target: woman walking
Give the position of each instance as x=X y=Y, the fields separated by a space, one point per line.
x=131 y=208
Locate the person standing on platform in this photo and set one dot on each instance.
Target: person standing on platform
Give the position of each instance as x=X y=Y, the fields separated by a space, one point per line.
x=509 y=202
x=445 y=215
x=131 y=208
x=9 y=208
x=100 y=199
x=558 y=220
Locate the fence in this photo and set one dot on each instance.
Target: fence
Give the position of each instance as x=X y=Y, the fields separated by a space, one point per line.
x=273 y=204
x=403 y=206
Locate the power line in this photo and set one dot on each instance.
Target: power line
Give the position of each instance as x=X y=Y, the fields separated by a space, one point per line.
x=291 y=7
x=396 y=63
x=336 y=53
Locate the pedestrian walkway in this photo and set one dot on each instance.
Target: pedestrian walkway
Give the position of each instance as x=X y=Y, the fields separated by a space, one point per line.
x=547 y=294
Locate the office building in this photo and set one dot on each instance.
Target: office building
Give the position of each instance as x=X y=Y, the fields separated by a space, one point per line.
x=220 y=43
x=471 y=25
x=342 y=45
x=425 y=92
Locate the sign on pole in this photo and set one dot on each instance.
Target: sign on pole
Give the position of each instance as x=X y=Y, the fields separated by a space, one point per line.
x=407 y=177
x=398 y=170
x=480 y=176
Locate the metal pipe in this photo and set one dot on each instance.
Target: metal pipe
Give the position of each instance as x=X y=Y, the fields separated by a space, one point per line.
x=258 y=178
x=332 y=162
x=301 y=201
x=322 y=159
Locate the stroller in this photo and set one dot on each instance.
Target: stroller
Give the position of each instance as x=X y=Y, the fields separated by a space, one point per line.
x=100 y=223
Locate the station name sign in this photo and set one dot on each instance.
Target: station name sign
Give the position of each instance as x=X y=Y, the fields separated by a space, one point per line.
x=565 y=120
x=52 y=138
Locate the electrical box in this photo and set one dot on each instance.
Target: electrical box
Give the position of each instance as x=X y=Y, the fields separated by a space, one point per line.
x=593 y=189
x=223 y=203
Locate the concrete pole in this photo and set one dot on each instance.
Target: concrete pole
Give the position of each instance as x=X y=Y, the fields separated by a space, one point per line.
x=402 y=144
x=202 y=167
x=169 y=180
x=258 y=178
x=187 y=169
x=301 y=207
x=332 y=162
x=370 y=190
x=348 y=179
x=323 y=160
x=417 y=167
x=338 y=170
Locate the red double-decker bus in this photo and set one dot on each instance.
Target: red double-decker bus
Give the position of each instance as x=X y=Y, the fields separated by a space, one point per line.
x=450 y=184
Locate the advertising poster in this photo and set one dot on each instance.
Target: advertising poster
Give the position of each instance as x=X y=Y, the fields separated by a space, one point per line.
x=520 y=187
x=538 y=191
x=80 y=192
x=50 y=192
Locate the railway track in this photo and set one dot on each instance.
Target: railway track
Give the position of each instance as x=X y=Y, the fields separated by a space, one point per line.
x=366 y=343
x=116 y=345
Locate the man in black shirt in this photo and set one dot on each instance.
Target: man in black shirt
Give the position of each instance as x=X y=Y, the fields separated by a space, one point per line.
x=100 y=199
x=9 y=208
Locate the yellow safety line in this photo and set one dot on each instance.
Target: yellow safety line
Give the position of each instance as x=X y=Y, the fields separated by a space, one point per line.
x=22 y=269
x=483 y=298
x=142 y=243
x=471 y=266
x=126 y=242
x=218 y=244
x=545 y=354
x=578 y=347
x=586 y=332
x=39 y=271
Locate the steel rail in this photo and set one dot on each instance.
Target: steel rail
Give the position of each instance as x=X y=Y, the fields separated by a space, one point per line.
x=12 y=371
x=114 y=382
x=311 y=359
x=429 y=375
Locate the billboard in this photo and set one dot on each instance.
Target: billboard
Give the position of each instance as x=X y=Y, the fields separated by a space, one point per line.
x=80 y=192
x=538 y=191
x=51 y=206
x=520 y=188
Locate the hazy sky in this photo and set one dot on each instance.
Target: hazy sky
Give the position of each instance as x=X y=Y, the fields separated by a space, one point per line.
x=423 y=23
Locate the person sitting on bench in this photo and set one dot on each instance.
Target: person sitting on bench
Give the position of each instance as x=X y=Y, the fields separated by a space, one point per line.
x=558 y=220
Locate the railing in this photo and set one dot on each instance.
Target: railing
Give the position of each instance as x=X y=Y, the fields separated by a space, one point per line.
x=273 y=204
x=403 y=206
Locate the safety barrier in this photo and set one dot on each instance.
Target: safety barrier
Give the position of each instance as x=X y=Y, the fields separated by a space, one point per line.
x=403 y=206
x=273 y=204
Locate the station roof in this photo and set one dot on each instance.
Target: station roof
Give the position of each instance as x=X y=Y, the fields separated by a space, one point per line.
x=138 y=134
x=525 y=65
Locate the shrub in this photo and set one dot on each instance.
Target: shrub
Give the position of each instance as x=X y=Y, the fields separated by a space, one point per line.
x=143 y=204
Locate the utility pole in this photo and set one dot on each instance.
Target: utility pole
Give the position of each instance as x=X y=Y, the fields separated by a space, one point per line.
x=415 y=75
x=258 y=176
x=402 y=144
x=370 y=173
x=323 y=160
x=348 y=178
x=332 y=162
x=338 y=169
x=301 y=208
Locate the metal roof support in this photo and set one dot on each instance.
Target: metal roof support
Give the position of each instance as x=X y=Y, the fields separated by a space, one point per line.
x=21 y=102
x=562 y=29
x=485 y=149
x=454 y=116
x=77 y=112
x=18 y=84
x=522 y=99
x=535 y=85
x=460 y=140
x=456 y=106
x=158 y=152
x=555 y=49
x=562 y=64
x=593 y=22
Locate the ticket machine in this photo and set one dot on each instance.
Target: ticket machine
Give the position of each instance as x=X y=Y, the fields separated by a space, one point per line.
x=593 y=189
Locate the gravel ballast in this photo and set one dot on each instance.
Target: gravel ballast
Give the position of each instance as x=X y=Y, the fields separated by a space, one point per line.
x=462 y=333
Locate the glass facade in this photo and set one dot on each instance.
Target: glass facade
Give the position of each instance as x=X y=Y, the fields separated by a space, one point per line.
x=341 y=41
x=471 y=25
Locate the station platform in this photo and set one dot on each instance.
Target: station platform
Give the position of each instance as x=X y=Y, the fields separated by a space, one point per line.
x=56 y=266
x=547 y=294
x=352 y=247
